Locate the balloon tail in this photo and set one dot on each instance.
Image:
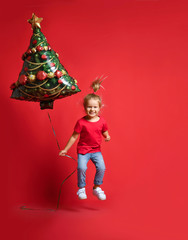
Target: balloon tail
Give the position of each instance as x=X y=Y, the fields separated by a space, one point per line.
x=65 y=156
x=59 y=196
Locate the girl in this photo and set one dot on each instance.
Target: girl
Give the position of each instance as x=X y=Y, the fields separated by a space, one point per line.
x=90 y=128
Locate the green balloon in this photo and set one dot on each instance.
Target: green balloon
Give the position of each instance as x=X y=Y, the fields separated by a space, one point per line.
x=35 y=65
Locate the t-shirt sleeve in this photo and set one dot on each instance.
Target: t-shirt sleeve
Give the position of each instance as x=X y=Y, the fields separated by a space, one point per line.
x=78 y=127
x=105 y=127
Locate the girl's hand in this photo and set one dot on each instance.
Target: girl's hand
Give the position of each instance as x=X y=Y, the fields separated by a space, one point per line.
x=62 y=152
x=107 y=139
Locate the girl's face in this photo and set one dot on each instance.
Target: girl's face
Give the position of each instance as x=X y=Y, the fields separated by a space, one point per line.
x=92 y=108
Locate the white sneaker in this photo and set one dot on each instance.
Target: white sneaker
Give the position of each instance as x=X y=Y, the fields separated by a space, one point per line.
x=82 y=194
x=99 y=193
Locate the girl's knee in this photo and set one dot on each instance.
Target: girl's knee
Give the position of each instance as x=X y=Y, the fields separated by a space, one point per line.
x=101 y=168
x=82 y=169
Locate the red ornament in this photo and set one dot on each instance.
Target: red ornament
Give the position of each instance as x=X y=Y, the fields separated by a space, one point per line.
x=60 y=81
x=58 y=74
x=60 y=96
x=46 y=95
x=39 y=48
x=35 y=42
x=44 y=57
x=41 y=75
x=25 y=69
x=49 y=48
x=12 y=86
x=22 y=79
x=29 y=51
x=73 y=87
x=52 y=64
x=29 y=58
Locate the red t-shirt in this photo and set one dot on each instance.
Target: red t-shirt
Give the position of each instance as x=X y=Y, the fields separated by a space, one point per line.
x=90 y=135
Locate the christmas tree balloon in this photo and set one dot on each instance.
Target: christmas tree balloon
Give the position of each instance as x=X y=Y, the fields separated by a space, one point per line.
x=42 y=78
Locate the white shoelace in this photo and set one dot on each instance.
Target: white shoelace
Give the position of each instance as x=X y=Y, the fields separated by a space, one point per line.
x=99 y=191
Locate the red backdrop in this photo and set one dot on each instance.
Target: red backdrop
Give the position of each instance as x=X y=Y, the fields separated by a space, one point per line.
x=142 y=47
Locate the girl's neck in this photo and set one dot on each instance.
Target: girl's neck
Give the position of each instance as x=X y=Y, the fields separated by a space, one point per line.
x=92 y=119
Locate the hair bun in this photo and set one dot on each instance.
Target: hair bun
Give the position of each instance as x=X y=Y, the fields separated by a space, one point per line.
x=96 y=84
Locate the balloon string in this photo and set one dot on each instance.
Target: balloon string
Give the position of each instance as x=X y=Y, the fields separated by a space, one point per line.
x=59 y=196
x=65 y=156
x=54 y=131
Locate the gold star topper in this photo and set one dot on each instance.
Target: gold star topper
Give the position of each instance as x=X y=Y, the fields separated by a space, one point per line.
x=35 y=21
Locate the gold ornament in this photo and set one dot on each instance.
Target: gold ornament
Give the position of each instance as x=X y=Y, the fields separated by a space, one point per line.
x=52 y=91
x=45 y=48
x=32 y=77
x=33 y=50
x=41 y=91
x=35 y=21
x=50 y=75
x=17 y=83
x=57 y=54
x=75 y=81
x=64 y=72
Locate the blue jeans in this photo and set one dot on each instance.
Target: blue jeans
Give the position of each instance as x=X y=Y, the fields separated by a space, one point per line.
x=97 y=159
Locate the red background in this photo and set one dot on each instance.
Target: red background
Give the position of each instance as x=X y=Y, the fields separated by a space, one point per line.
x=142 y=47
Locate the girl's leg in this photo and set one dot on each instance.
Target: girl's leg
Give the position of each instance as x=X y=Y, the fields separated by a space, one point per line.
x=98 y=160
x=82 y=167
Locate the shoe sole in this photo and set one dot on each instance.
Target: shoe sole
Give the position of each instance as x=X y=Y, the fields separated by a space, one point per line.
x=82 y=198
x=98 y=197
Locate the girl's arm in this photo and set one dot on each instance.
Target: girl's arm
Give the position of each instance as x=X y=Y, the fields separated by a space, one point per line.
x=71 y=141
x=107 y=136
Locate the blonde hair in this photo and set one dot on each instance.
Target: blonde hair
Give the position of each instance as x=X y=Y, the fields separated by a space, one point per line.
x=95 y=86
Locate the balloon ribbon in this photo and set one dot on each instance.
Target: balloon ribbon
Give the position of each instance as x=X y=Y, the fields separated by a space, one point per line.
x=25 y=208
x=65 y=156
